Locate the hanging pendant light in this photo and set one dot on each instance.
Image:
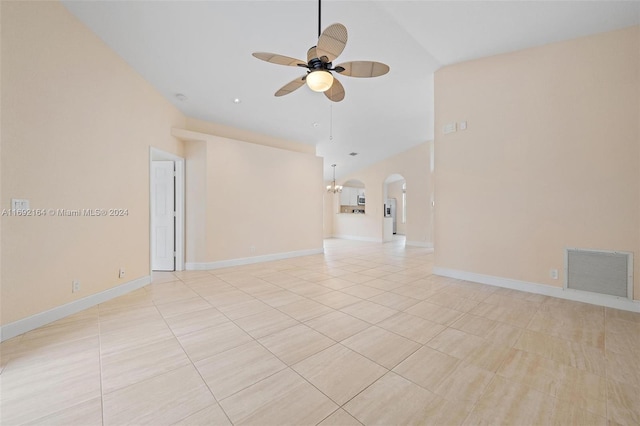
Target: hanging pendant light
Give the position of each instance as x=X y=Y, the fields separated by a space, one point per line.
x=333 y=187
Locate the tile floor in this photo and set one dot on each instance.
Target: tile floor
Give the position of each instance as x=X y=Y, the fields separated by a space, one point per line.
x=363 y=334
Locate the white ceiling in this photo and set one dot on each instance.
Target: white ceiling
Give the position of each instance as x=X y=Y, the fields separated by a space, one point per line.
x=203 y=49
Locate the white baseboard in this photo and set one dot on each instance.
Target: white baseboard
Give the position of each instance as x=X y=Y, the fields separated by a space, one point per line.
x=356 y=238
x=24 y=325
x=202 y=266
x=547 y=290
x=419 y=244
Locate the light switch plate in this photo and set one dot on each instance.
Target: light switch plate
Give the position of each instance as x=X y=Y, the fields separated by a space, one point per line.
x=449 y=128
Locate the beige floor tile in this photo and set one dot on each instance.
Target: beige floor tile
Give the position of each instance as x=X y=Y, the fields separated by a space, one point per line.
x=510 y=403
x=622 y=315
x=565 y=413
x=584 y=390
x=296 y=343
x=304 y=310
x=583 y=357
x=244 y=309
x=308 y=289
x=227 y=298
x=381 y=346
x=212 y=415
x=337 y=325
x=284 y=398
x=488 y=355
x=340 y=418
x=534 y=371
x=414 y=291
x=265 y=323
x=42 y=387
x=132 y=365
x=336 y=283
x=183 y=306
x=475 y=325
x=369 y=311
x=122 y=318
x=622 y=403
x=383 y=284
x=392 y=400
x=518 y=316
x=464 y=385
x=140 y=297
x=570 y=326
x=58 y=333
x=452 y=301
x=435 y=313
x=194 y=321
x=455 y=343
x=86 y=413
x=339 y=372
x=170 y=292
x=623 y=368
x=336 y=299
x=206 y=290
x=427 y=367
x=161 y=400
x=356 y=277
x=211 y=341
x=231 y=371
x=362 y=291
x=279 y=298
x=412 y=327
x=394 y=301
x=133 y=336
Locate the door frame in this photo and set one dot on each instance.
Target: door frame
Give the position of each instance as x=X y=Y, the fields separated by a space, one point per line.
x=156 y=155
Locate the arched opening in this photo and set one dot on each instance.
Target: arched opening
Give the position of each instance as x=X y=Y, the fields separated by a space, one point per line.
x=352 y=197
x=395 y=207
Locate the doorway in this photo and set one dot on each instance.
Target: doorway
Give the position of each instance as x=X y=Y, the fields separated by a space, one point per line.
x=166 y=211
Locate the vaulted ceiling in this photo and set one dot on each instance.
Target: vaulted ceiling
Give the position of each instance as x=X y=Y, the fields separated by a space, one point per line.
x=202 y=49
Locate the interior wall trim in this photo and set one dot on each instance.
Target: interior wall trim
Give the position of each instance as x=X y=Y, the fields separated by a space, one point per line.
x=419 y=244
x=547 y=290
x=24 y=325
x=357 y=238
x=202 y=266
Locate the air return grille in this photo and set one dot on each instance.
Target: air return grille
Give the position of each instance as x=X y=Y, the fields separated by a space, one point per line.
x=604 y=272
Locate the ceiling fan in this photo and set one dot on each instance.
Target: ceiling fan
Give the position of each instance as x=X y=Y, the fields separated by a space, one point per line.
x=319 y=64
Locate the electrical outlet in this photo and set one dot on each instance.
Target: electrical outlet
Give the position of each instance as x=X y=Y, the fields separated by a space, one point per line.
x=554 y=274
x=121 y=273
x=75 y=286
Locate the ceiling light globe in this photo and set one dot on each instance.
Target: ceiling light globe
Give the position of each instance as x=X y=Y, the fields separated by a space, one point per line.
x=319 y=81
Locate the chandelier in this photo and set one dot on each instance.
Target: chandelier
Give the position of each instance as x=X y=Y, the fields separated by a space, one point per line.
x=333 y=187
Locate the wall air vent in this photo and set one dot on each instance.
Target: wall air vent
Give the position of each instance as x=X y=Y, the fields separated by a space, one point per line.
x=604 y=272
x=353 y=154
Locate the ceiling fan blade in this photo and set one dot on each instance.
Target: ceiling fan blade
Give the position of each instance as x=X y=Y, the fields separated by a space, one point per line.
x=363 y=69
x=335 y=92
x=291 y=86
x=279 y=59
x=332 y=41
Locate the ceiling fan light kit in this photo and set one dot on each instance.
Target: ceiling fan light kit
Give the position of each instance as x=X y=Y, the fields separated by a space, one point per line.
x=319 y=64
x=319 y=81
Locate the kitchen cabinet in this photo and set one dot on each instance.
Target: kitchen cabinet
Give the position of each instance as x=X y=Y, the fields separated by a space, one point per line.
x=349 y=196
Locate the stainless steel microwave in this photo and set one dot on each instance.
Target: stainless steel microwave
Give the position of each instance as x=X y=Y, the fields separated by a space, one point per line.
x=361 y=200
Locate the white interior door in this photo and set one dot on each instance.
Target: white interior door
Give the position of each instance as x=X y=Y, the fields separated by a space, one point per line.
x=162 y=216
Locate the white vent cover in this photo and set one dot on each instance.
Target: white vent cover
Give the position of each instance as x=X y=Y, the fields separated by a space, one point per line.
x=604 y=272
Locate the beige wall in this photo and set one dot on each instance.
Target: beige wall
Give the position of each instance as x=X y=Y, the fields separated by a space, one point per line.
x=77 y=125
x=550 y=158
x=250 y=195
x=414 y=166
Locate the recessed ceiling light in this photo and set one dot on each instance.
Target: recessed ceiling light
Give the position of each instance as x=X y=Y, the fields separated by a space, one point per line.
x=316 y=124
x=181 y=97
x=353 y=154
x=237 y=101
